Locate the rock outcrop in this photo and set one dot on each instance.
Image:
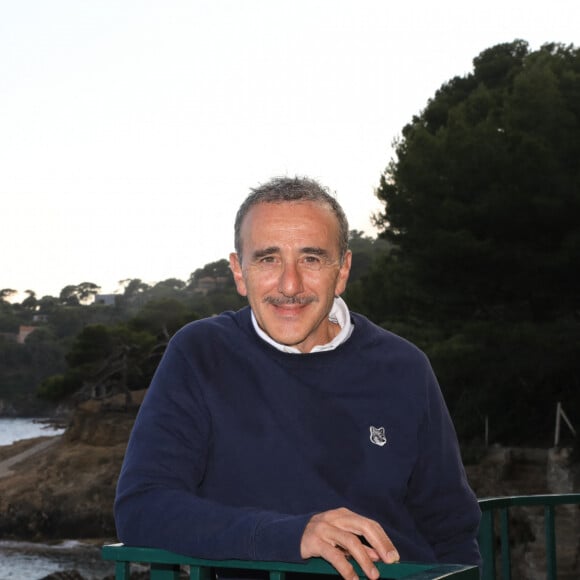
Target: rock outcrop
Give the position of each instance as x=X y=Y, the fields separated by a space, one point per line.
x=67 y=488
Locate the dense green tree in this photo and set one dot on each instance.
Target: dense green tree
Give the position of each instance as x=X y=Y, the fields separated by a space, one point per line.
x=162 y=317
x=7 y=293
x=216 y=301
x=218 y=271
x=47 y=304
x=83 y=293
x=484 y=197
x=135 y=293
x=133 y=286
x=109 y=348
x=46 y=354
x=8 y=317
x=67 y=321
x=366 y=252
x=482 y=206
x=103 y=360
x=30 y=302
x=171 y=288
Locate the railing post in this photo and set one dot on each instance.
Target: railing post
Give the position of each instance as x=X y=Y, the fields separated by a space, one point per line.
x=199 y=573
x=506 y=559
x=487 y=545
x=549 y=526
x=164 y=571
x=122 y=571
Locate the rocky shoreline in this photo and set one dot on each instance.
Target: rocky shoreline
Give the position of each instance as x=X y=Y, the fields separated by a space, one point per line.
x=66 y=488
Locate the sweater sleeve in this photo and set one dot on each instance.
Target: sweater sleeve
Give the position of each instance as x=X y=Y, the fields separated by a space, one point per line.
x=443 y=505
x=158 y=504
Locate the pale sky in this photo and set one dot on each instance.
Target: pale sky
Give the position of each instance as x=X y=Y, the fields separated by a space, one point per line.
x=130 y=131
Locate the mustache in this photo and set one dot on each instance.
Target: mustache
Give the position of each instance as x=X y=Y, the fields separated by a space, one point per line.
x=287 y=300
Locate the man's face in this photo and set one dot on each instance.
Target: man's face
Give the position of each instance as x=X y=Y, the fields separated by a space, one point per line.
x=290 y=270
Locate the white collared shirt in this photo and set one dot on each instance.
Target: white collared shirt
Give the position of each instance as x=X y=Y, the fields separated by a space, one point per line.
x=339 y=314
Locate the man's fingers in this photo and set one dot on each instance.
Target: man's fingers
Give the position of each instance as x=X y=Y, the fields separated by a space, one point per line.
x=337 y=558
x=336 y=535
x=380 y=543
x=370 y=531
x=373 y=555
x=351 y=546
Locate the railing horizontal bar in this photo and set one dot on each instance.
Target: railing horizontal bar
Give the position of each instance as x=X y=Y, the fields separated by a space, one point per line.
x=406 y=570
x=487 y=503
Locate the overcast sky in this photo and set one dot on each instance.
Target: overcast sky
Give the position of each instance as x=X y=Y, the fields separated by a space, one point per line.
x=130 y=131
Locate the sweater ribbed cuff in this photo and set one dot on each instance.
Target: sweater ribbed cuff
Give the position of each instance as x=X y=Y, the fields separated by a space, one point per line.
x=279 y=539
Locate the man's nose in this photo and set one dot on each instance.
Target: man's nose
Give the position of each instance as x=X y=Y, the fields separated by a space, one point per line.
x=290 y=282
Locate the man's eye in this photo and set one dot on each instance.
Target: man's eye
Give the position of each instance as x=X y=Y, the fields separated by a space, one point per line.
x=268 y=262
x=311 y=262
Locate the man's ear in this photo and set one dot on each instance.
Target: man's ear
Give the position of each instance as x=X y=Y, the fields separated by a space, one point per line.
x=236 y=268
x=343 y=274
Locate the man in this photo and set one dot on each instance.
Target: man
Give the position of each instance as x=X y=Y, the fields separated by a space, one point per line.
x=293 y=428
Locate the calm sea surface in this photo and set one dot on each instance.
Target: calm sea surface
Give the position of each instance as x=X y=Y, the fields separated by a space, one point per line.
x=16 y=429
x=32 y=561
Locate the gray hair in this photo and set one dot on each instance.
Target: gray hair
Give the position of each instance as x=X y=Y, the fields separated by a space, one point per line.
x=288 y=189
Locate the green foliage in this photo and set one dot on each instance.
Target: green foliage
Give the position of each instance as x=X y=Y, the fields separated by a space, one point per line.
x=513 y=373
x=485 y=195
x=215 y=301
x=57 y=387
x=81 y=349
x=8 y=318
x=67 y=321
x=93 y=343
x=30 y=302
x=23 y=366
x=7 y=293
x=162 y=318
x=83 y=293
x=103 y=360
x=482 y=207
x=218 y=271
x=365 y=251
x=45 y=354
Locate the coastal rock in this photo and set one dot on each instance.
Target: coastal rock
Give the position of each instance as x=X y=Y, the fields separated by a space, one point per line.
x=67 y=489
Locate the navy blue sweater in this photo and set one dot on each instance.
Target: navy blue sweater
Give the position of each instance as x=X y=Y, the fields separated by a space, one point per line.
x=237 y=445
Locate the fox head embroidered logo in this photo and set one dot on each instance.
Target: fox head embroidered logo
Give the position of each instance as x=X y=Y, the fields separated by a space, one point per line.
x=378 y=436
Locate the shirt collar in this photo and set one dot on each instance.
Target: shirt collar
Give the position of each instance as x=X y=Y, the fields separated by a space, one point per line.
x=339 y=314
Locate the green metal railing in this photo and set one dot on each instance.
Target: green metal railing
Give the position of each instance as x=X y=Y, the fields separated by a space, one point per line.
x=168 y=566
x=488 y=536
x=165 y=565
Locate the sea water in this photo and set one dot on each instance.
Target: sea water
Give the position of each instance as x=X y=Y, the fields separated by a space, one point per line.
x=15 y=429
x=30 y=561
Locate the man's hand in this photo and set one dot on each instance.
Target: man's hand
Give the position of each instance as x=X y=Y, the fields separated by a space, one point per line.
x=334 y=536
